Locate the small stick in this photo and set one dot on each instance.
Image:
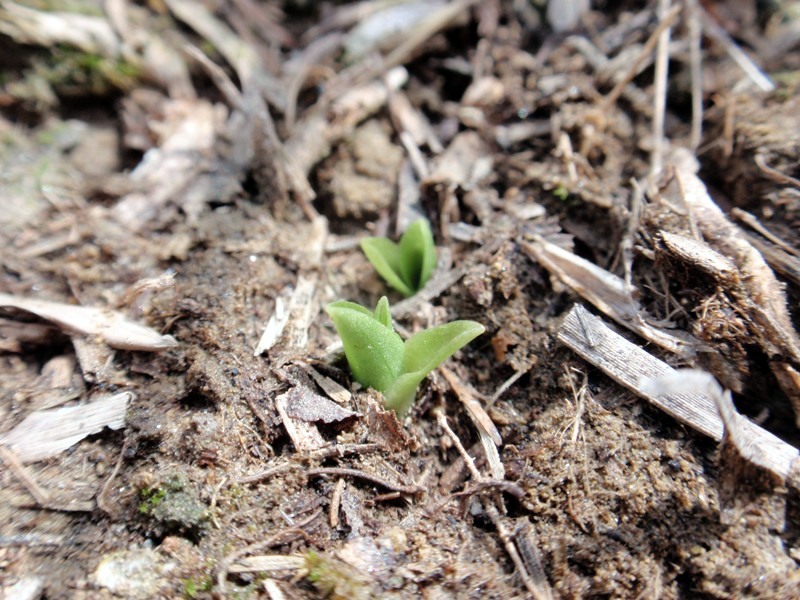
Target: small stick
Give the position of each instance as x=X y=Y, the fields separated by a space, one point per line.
x=312 y=56
x=11 y=459
x=345 y=472
x=588 y=333
x=752 y=222
x=468 y=460
x=745 y=63
x=218 y=75
x=615 y=93
x=267 y=473
x=101 y=497
x=295 y=531
x=696 y=63
x=774 y=174
x=508 y=487
x=494 y=515
x=336 y=501
x=338 y=450
x=505 y=385
x=660 y=92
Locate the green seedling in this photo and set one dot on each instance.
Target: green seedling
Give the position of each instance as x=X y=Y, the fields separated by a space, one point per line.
x=406 y=266
x=379 y=358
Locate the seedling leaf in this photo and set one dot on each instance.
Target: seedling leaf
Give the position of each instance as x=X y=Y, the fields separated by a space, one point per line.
x=417 y=254
x=384 y=255
x=378 y=357
x=422 y=353
x=406 y=266
x=373 y=350
x=426 y=350
x=383 y=314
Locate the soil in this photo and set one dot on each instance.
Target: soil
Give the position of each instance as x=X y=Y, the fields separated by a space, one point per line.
x=204 y=214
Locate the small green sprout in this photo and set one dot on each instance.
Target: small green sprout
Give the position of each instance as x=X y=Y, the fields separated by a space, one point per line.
x=379 y=358
x=406 y=266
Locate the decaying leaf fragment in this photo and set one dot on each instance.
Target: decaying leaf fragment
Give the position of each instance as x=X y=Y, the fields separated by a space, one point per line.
x=305 y=405
x=304 y=434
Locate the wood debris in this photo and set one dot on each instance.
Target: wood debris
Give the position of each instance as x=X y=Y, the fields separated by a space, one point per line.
x=751 y=283
x=372 y=478
x=490 y=437
x=267 y=563
x=209 y=168
x=291 y=319
x=695 y=400
x=47 y=433
x=304 y=435
x=753 y=443
x=114 y=328
x=607 y=292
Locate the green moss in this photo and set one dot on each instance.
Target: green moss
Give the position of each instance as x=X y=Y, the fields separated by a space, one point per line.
x=334 y=578
x=174 y=505
x=191 y=587
x=561 y=193
x=151 y=498
x=66 y=71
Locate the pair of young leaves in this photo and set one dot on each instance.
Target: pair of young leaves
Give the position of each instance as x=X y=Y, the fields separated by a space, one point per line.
x=406 y=266
x=379 y=358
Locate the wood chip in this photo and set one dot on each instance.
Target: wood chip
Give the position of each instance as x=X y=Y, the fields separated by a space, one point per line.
x=695 y=400
x=766 y=300
x=113 y=327
x=274 y=329
x=291 y=319
x=267 y=563
x=754 y=443
x=43 y=434
x=337 y=392
x=701 y=256
x=607 y=292
x=629 y=365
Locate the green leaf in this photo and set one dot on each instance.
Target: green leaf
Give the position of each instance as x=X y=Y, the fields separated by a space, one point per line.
x=417 y=254
x=373 y=350
x=422 y=353
x=406 y=266
x=384 y=255
x=426 y=350
x=383 y=314
x=403 y=391
x=378 y=358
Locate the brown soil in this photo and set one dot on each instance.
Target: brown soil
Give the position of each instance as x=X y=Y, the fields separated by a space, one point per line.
x=603 y=495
